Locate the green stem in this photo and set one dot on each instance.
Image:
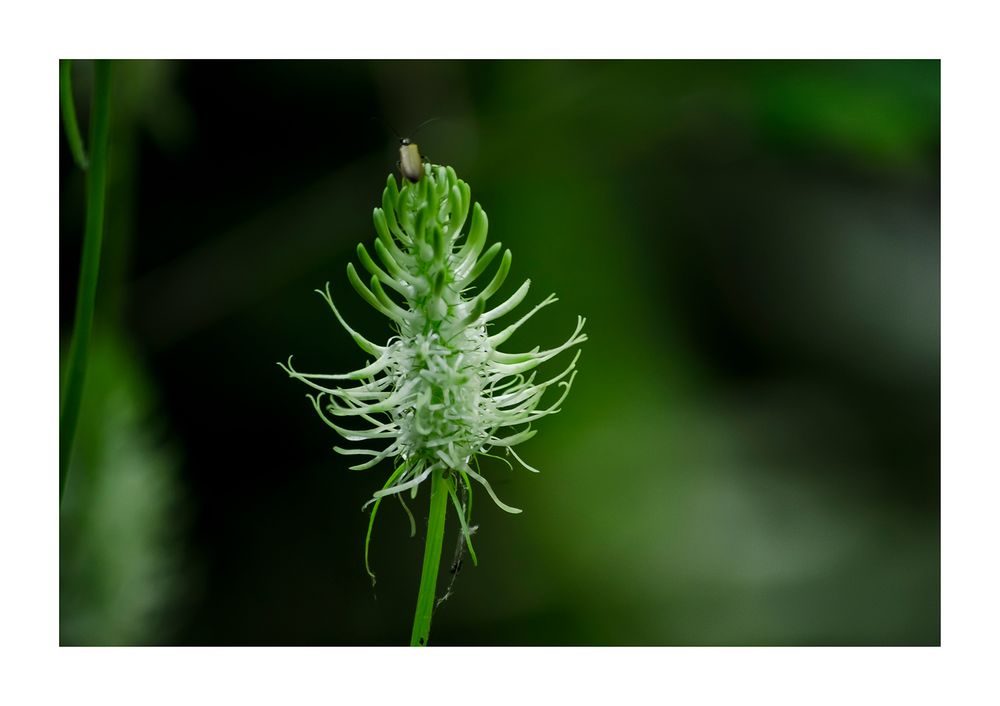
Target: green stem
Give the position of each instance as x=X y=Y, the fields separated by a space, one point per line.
x=432 y=560
x=96 y=184
x=69 y=114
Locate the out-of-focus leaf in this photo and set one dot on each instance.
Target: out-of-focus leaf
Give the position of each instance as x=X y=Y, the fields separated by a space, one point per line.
x=120 y=526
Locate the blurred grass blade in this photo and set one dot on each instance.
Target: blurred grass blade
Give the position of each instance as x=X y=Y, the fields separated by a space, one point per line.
x=76 y=366
x=68 y=110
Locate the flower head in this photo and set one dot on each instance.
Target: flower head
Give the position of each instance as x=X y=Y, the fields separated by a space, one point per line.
x=438 y=393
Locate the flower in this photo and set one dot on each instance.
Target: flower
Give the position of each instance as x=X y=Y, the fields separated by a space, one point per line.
x=439 y=393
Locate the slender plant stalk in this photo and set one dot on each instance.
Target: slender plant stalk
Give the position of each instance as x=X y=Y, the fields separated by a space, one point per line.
x=96 y=185
x=69 y=114
x=432 y=561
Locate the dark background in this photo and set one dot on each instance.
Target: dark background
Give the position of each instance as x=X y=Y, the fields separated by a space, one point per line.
x=750 y=454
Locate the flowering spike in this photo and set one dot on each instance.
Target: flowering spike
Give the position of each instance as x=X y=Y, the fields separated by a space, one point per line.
x=439 y=393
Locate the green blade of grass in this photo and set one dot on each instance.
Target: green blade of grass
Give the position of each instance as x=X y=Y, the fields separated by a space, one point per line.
x=68 y=109
x=96 y=186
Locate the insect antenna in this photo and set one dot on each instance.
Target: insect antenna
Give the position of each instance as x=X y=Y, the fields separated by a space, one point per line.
x=421 y=125
x=384 y=124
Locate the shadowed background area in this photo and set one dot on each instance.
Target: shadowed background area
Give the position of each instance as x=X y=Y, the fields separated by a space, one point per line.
x=750 y=453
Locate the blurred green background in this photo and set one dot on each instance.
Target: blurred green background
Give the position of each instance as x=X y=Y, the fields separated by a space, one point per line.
x=750 y=454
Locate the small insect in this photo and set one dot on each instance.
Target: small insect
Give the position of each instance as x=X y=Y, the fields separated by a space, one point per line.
x=411 y=163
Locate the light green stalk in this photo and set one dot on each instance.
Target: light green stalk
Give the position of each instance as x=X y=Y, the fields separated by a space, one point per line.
x=432 y=561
